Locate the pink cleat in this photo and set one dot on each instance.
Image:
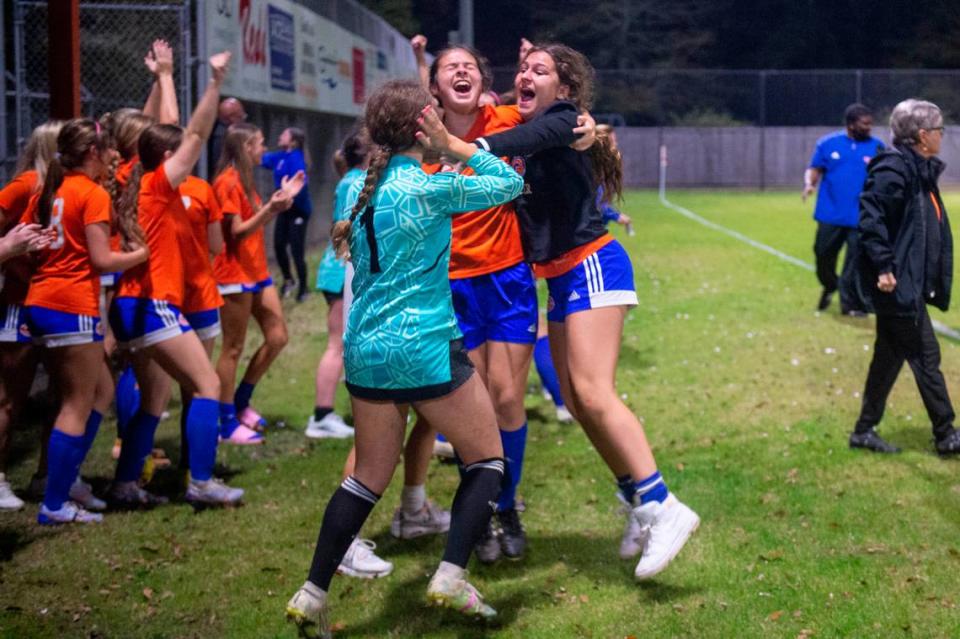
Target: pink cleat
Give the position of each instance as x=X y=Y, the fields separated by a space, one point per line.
x=243 y=436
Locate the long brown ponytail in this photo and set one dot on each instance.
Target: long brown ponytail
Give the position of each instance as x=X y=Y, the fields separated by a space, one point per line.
x=391 y=122
x=126 y=212
x=234 y=153
x=607 y=165
x=73 y=143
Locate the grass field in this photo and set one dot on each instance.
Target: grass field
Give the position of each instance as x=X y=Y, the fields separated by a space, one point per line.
x=748 y=396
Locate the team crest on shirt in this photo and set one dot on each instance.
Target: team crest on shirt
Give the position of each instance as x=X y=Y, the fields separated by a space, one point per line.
x=519 y=165
x=186 y=201
x=835 y=155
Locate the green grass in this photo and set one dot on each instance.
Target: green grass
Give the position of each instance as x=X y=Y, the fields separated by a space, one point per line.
x=748 y=396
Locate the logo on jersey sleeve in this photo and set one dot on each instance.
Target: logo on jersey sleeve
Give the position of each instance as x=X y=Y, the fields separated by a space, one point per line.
x=835 y=155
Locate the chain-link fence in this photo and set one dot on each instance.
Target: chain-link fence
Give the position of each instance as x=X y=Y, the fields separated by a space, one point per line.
x=706 y=97
x=115 y=37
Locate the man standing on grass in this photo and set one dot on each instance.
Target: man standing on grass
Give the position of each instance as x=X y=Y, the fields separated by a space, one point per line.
x=839 y=166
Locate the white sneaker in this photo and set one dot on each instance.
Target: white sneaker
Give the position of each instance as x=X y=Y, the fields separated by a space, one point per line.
x=308 y=609
x=8 y=500
x=360 y=561
x=82 y=493
x=443 y=450
x=69 y=512
x=431 y=520
x=332 y=425
x=671 y=524
x=212 y=491
x=634 y=535
x=563 y=415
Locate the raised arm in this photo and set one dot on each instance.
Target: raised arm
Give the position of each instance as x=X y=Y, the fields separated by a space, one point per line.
x=179 y=165
x=555 y=128
x=419 y=45
x=280 y=201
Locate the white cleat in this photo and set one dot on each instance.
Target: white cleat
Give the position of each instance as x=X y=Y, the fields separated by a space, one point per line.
x=68 y=513
x=431 y=520
x=331 y=426
x=213 y=492
x=564 y=416
x=82 y=493
x=671 y=524
x=8 y=500
x=458 y=594
x=308 y=609
x=360 y=561
x=634 y=535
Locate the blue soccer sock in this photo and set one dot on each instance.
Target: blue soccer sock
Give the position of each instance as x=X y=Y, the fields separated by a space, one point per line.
x=514 y=445
x=137 y=444
x=64 y=456
x=546 y=370
x=202 y=437
x=652 y=488
x=127 y=398
x=241 y=398
x=626 y=487
x=228 y=419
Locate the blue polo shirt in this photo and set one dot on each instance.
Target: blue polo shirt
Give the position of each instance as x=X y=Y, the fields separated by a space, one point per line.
x=844 y=164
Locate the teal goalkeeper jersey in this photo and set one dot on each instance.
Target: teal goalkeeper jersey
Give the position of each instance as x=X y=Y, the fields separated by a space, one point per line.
x=401 y=322
x=331 y=271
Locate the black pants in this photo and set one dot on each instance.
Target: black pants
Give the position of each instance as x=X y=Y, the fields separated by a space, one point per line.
x=830 y=239
x=291 y=230
x=913 y=340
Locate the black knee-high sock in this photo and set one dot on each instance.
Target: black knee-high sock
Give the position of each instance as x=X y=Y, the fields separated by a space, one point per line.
x=475 y=501
x=345 y=514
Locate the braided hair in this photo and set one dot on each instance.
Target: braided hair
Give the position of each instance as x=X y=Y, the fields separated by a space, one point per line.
x=391 y=123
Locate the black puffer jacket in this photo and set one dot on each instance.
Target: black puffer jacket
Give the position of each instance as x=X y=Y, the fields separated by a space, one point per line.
x=901 y=233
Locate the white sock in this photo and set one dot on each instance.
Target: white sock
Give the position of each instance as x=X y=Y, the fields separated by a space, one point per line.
x=315 y=590
x=413 y=499
x=450 y=571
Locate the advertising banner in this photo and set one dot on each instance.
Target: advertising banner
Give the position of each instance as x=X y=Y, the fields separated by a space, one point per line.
x=287 y=55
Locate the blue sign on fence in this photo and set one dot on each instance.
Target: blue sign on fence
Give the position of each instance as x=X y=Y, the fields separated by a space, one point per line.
x=281 y=49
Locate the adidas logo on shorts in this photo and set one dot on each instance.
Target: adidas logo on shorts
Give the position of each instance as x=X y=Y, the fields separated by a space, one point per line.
x=574 y=296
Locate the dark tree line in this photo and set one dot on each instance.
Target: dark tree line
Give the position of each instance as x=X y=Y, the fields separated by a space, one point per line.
x=739 y=34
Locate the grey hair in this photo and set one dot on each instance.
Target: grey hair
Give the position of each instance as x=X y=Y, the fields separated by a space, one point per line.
x=910 y=116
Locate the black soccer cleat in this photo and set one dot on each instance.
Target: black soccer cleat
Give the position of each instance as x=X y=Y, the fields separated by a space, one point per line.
x=513 y=538
x=870 y=440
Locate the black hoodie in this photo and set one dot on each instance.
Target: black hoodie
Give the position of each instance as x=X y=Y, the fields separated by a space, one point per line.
x=902 y=233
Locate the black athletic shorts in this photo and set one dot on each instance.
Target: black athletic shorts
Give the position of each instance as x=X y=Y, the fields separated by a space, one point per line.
x=461 y=368
x=331 y=297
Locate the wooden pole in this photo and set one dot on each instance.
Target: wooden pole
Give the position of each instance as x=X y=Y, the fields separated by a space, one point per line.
x=63 y=60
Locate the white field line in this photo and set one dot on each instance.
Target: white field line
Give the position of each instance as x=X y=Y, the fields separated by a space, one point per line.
x=938 y=326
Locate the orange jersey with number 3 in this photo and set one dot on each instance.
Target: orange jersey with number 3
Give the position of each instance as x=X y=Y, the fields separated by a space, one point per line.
x=489 y=240
x=200 y=286
x=65 y=279
x=14 y=199
x=243 y=261
x=161 y=276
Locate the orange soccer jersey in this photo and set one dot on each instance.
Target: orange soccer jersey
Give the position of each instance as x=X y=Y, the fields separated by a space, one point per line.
x=161 y=276
x=14 y=199
x=65 y=280
x=489 y=240
x=243 y=261
x=200 y=286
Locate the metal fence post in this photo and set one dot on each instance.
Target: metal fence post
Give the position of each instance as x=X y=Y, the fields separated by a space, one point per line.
x=763 y=130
